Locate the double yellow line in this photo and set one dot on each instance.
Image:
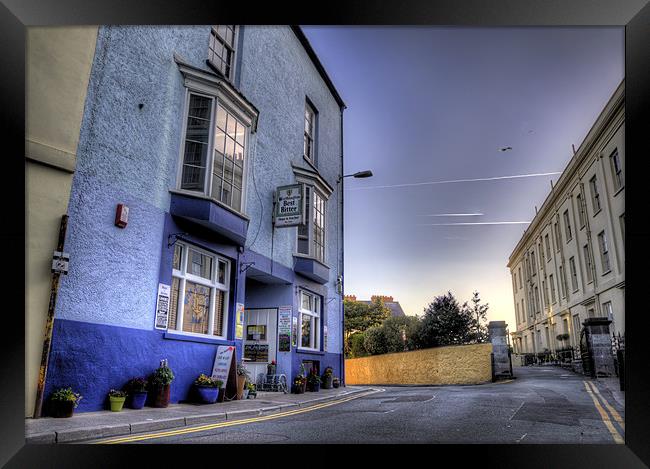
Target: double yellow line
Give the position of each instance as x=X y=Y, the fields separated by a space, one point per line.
x=593 y=392
x=201 y=428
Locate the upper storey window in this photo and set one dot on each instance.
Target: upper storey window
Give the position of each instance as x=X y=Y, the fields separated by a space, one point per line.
x=214 y=151
x=310 y=133
x=221 y=53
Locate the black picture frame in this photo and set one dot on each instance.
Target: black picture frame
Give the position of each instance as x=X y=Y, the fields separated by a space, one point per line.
x=633 y=14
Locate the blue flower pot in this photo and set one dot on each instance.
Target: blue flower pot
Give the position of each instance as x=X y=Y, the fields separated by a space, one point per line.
x=138 y=399
x=208 y=394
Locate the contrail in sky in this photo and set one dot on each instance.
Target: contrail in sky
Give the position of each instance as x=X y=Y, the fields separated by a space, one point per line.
x=450 y=181
x=453 y=215
x=477 y=223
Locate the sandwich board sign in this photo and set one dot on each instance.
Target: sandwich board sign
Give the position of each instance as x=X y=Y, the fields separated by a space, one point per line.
x=225 y=370
x=289 y=201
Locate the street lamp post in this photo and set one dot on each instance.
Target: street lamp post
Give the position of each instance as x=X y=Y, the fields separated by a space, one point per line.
x=358 y=174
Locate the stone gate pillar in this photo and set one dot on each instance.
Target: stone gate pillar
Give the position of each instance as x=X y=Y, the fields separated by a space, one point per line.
x=599 y=344
x=501 y=366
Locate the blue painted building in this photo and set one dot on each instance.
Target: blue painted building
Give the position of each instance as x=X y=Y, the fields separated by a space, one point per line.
x=193 y=128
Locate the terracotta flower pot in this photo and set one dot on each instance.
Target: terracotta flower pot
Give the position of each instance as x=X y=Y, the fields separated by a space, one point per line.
x=241 y=381
x=161 y=395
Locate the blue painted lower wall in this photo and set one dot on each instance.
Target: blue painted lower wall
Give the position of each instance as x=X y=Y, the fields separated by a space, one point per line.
x=94 y=358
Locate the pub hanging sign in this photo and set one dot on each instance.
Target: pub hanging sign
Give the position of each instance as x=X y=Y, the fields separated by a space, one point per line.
x=289 y=206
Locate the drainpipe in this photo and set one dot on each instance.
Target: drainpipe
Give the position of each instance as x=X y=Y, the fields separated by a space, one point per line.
x=340 y=269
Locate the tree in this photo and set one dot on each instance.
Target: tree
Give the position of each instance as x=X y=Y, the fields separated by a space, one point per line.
x=357 y=348
x=360 y=316
x=445 y=322
x=375 y=342
x=478 y=313
x=401 y=333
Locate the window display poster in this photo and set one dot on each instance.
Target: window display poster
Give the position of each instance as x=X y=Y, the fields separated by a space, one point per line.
x=284 y=329
x=294 y=331
x=162 y=306
x=239 y=321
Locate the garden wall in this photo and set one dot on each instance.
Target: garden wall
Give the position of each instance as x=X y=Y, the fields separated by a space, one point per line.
x=457 y=364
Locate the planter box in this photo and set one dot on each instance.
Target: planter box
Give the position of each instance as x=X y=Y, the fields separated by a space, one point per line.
x=161 y=395
x=61 y=409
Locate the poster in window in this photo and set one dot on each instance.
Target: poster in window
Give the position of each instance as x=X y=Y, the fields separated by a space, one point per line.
x=284 y=328
x=162 y=306
x=239 y=321
x=294 y=331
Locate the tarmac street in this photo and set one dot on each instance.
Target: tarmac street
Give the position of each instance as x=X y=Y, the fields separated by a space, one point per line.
x=542 y=405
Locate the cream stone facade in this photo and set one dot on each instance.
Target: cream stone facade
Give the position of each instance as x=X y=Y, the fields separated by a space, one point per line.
x=58 y=62
x=570 y=263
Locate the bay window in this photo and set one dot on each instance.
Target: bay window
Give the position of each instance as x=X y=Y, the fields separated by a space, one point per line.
x=199 y=292
x=309 y=320
x=214 y=151
x=311 y=235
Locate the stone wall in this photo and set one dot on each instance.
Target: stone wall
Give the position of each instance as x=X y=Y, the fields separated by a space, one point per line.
x=459 y=364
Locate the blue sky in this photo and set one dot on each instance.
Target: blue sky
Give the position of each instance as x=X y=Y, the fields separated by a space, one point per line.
x=432 y=104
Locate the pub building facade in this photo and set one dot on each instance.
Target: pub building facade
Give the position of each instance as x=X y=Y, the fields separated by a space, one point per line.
x=175 y=243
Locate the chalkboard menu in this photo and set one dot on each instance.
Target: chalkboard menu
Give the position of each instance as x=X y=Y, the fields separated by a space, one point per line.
x=256 y=352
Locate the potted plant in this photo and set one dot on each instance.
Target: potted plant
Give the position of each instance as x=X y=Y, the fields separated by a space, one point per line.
x=117 y=398
x=336 y=382
x=300 y=381
x=328 y=378
x=63 y=402
x=271 y=368
x=207 y=388
x=252 y=390
x=242 y=377
x=136 y=388
x=160 y=382
x=313 y=381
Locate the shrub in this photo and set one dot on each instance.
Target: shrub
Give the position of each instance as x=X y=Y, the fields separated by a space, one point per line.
x=162 y=376
x=66 y=394
x=356 y=345
x=136 y=385
x=375 y=341
x=116 y=393
x=204 y=380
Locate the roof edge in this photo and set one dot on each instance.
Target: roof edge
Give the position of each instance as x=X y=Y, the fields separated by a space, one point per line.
x=319 y=66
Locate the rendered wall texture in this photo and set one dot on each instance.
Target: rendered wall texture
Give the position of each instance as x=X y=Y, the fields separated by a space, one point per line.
x=58 y=62
x=459 y=364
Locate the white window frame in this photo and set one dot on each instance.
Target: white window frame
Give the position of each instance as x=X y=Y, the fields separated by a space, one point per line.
x=607 y=308
x=213 y=284
x=551 y=282
x=574 y=274
x=310 y=109
x=217 y=100
x=588 y=264
x=604 y=253
x=567 y=226
x=310 y=211
x=315 y=314
x=558 y=236
x=595 y=195
x=563 y=285
x=581 y=211
x=547 y=243
x=617 y=176
x=214 y=30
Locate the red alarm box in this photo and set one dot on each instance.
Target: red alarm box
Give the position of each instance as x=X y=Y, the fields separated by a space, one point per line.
x=121 y=215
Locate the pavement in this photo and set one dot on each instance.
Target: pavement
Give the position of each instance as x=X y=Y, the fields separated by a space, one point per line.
x=92 y=425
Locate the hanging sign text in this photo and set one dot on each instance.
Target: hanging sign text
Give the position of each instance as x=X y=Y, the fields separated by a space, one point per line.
x=288 y=206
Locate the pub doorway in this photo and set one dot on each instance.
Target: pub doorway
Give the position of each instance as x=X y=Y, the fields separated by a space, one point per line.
x=260 y=340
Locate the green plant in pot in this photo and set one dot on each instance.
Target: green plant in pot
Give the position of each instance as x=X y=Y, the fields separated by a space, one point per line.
x=63 y=402
x=242 y=377
x=160 y=384
x=136 y=388
x=116 y=398
x=252 y=390
x=300 y=381
x=336 y=382
x=207 y=388
x=313 y=381
x=328 y=378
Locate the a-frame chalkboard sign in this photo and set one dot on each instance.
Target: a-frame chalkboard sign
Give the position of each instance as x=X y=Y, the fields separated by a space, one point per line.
x=225 y=370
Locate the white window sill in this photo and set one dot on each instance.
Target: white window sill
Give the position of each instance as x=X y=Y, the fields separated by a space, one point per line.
x=618 y=191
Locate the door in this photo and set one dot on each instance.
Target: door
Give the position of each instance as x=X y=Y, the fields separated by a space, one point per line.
x=260 y=340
